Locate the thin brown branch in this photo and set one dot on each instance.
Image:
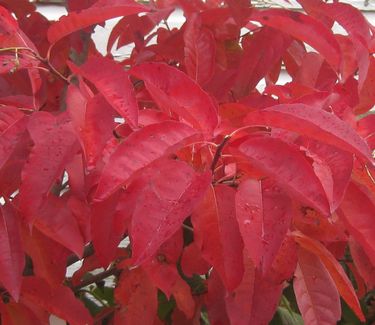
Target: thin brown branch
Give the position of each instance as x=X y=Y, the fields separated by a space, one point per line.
x=97 y=278
x=219 y=151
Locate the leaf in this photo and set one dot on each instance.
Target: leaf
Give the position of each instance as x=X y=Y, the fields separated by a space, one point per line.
x=169 y=193
x=357 y=212
x=113 y=83
x=175 y=92
x=316 y=294
x=14 y=313
x=239 y=302
x=58 y=300
x=147 y=145
x=363 y=263
x=46 y=255
x=192 y=261
x=304 y=28
x=333 y=167
x=257 y=60
x=108 y=226
x=12 y=256
x=12 y=128
x=54 y=145
x=265 y=300
x=200 y=48
x=314 y=123
x=138 y=297
x=217 y=234
x=102 y=10
x=338 y=275
x=264 y=215
x=305 y=185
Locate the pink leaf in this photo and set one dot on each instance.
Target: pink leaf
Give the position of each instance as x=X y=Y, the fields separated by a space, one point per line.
x=263 y=214
x=316 y=294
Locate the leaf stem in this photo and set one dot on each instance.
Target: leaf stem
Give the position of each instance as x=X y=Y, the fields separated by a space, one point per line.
x=218 y=152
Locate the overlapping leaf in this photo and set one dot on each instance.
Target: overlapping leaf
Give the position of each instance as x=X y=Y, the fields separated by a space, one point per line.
x=139 y=150
x=177 y=93
x=312 y=122
x=305 y=185
x=97 y=13
x=317 y=296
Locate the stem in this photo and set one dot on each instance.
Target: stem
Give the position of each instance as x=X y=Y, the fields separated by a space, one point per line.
x=187 y=227
x=219 y=151
x=102 y=302
x=96 y=278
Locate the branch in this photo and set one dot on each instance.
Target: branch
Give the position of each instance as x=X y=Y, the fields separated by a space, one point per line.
x=219 y=151
x=96 y=278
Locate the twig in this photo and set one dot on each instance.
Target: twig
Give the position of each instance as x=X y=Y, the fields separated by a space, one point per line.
x=96 y=278
x=218 y=152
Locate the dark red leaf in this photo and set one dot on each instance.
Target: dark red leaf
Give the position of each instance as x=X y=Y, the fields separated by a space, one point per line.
x=16 y=313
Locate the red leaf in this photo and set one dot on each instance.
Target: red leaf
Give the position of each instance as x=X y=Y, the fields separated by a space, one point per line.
x=282 y=166
x=11 y=64
x=173 y=91
x=113 y=83
x=316 y=294
x=304 y=28
x=170 y=191
x=192 y=261
x=333 y=167
x=58 y=300
x=97 y=13
x=357 y=212
x=257 y=60
x=54 y=145
x=46 y=255
x=312 y=122
x=12 y=256
x=338 y=275
x=265 y=300
x=15 y=314
x=139 y=150
x=138 y=297
x=363 y=263
x=105 y=233
x=239 y=302
x=263 y=214
x=12 y=128
x=200 y=48
x=218 y=236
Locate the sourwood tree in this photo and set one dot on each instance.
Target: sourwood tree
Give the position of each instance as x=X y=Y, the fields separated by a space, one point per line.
x=233 y=203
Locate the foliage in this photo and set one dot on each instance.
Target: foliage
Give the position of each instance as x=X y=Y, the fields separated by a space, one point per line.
x=233 y=205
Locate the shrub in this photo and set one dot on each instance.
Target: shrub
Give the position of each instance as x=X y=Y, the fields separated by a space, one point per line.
x=234 y=205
